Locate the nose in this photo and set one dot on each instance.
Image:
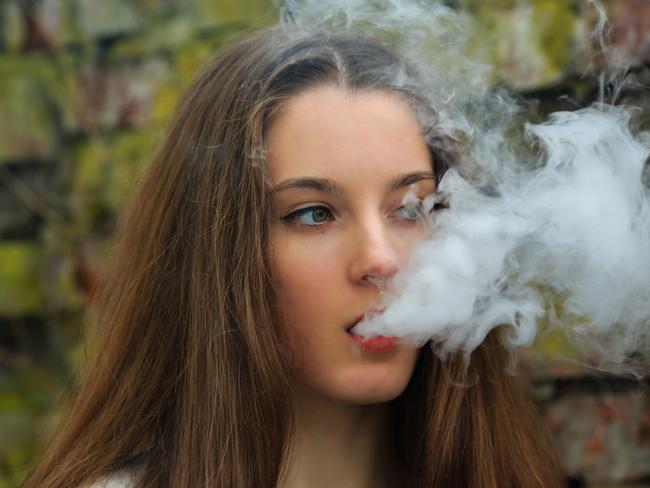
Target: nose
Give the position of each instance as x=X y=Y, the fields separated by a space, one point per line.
x=375 y=256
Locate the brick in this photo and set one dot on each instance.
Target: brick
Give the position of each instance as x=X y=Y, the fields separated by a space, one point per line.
x=119 y=95
x=627 y=35
x=630 y=37
x=604 y=437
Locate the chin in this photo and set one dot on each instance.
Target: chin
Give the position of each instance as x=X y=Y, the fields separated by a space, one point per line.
x=371 y=397
x=366 y=388
x=362 y=380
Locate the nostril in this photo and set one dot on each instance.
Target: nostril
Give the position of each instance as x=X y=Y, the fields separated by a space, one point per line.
x=377 y=280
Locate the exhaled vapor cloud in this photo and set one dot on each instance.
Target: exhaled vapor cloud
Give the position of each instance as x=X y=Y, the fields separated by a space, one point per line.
x=571 y=222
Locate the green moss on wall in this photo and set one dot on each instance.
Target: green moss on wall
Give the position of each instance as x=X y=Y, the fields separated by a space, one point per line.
x=474 y=5
x=224 y=12
x=21 y=291
x=107 y=171
x=531 y=44
x=35 y=104
x=27 y=396
x=551 y=341
x=26 y=127
x=155 y=37
x=555 y=21
x=130 y=153
x=67 y=103
x=106 y=18
x=73 y=104
x=11 y=26
x=63 y=290
x=92 y=159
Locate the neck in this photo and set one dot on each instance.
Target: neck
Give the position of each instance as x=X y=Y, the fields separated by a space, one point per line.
x=341 y=445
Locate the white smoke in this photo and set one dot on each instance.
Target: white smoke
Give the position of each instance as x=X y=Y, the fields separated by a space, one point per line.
x=579 y=226
x=571 y=222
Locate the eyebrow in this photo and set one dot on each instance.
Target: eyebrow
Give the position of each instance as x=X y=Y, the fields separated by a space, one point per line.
x=327 y=186
x=308 y=182
x=410 y=178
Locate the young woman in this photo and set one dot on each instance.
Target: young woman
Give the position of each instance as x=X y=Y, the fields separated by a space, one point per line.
x=263 y=230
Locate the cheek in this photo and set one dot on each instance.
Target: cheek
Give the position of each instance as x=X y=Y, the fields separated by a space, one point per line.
x=306 y=278
x=299 y=276
x=408 y=239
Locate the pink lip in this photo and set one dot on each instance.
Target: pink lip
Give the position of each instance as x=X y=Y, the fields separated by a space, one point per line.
x=374 y=344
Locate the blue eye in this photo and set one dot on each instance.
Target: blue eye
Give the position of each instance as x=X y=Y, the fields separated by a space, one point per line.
x=310 y=216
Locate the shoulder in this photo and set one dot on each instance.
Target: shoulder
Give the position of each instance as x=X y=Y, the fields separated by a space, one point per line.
x=124 y=478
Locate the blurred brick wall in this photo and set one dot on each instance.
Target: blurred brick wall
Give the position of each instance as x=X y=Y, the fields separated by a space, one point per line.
x=86 y=87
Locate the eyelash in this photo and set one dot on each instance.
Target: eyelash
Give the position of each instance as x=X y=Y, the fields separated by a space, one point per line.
x=295 y=215
x=292 y=217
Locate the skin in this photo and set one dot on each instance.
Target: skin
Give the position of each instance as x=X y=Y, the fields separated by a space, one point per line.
x=330 y=249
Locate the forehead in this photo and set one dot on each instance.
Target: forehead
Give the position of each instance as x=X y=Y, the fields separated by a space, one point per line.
x=353 y=137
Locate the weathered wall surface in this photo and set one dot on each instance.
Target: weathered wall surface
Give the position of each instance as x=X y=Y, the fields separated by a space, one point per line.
x=86 y=87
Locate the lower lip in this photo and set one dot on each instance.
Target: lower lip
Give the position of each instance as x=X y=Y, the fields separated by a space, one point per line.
x=376 y=344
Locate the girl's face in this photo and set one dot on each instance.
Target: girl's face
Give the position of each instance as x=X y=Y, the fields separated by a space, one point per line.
x=340 y=164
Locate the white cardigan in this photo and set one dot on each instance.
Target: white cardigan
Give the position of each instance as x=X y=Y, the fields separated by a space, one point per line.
x=124 y=478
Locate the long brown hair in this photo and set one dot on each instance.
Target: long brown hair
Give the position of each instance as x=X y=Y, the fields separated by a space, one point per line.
x=189 y=378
